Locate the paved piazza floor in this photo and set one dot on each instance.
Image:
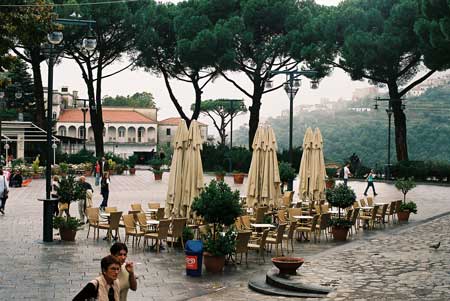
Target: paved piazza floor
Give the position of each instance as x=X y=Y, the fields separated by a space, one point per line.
x=390 y=264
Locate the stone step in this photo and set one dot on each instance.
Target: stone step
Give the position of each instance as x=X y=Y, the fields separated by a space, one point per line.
x=294 y=283
x=260 y=286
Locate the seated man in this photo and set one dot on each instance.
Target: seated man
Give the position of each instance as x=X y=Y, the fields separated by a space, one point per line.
x=16 y=179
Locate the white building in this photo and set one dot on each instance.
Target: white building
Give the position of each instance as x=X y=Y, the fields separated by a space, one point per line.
x=168 y=127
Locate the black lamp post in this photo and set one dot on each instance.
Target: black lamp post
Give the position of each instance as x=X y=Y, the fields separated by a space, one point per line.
x=2 y=95
x=55 y=38
x=389 y=112
x=84 y=109
x=291 y=86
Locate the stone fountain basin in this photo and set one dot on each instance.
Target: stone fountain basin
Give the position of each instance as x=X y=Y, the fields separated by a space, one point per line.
x=288 y=265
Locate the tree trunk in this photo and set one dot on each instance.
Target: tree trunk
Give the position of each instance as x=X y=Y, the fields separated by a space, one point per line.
x=254 y=115
x=401 y=144
x=99 y=145
x=38 y=90
x=96 y=122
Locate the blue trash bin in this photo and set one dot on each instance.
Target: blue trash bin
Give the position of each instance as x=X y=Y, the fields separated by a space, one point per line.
x=194 y=256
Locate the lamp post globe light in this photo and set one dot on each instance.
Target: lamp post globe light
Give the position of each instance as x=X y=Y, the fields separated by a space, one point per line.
x=55 y=38
x=292 y=86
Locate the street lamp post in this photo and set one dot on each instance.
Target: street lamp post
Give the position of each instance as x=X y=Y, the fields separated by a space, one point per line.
x=291 y=86
x=84 y=109
x=2 y=95
x=54 y=147
x=6 y=152
x=54 y=39
x=389 y=112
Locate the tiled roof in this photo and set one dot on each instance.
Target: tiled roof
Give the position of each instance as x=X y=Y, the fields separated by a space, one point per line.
x=174 y=121
x=110 y=116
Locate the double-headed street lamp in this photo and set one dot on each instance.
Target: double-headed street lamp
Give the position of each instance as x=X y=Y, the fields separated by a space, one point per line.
x=389 y=112
x=291 y=86
x=84 y=109
x=55 y=38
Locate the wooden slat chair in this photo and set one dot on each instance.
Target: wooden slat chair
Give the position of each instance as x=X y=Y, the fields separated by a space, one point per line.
x=160 y=214
x=354 y=219
x=242 y=240
x=154 y=205
x=363 y=202
x=324 y=209
x=259 y=245
x=137 y=207
x=131 y=229
x=93 y=219
x=176 y=230
x=289 y=237
x=281 y=216
x=238 y=224
x=110 y=209
x=349 y=215
x=114 y=221
x=381 y=215
x=141 y=220
x=160 y=235
x=398 y=204
x=324 y=223
x=278 y=239
x=287 y=199
x=370 y=219
x=308 y=229
x=294 y=212
x=369 y=201
x=391 y=212
x=259 y=216
x=245 y=221
x=356 y=204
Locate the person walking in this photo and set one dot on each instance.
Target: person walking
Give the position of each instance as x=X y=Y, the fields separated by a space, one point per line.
x=105 y=287
x=370 y=177
x=127 y=278
x=104 y=190
x=82 y=203
x=4 y=190
x=347 y=173
x=97 y=172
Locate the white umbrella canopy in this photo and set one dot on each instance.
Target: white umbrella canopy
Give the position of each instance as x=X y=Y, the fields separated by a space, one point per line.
x=192 y=169
x=305 y=166
x=175 y=187
x=255 y=173
x=317 y=183
x=271 y=188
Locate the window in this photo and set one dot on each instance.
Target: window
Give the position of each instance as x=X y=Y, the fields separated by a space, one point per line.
x=62 y=131
x=121 y=132
x=54 y=115
x=168 y=132
x=81 y=133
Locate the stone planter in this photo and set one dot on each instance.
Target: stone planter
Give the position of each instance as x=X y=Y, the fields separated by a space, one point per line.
x=67 y=234
x=213 y=264
x=238 y=178
x=288 y=265
x=340 y=233
x=403 y=216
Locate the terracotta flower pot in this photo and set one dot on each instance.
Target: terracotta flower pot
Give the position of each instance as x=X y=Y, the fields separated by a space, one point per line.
x=158 y=176
x=36 y=176
x=213 y=264
x=220 y=177
x=67 y=234
x=403 y=216
x=132 y=171
x=329 y=184
x=340 y=233
x=238 y=178
x=288 y=265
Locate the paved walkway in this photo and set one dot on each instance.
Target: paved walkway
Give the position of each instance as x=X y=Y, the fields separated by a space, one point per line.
x=368 y=265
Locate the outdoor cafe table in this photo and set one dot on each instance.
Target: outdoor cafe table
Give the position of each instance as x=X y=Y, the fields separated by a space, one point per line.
x=381 y=204
x=262 y=226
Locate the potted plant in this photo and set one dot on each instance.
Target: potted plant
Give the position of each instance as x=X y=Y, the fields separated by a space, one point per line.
x=330 y=182
x=69 y=191
x=157 y=173
x=238 y=177
x=35 y=167
x=131 y=162
x=405 y=185
x=219 y=206
x=156 y=163
x=120 y=169
x=68 y=227
x=87 y=169
x=220 y=173
x=287 y=173
x=340 y=196
x=63 y=168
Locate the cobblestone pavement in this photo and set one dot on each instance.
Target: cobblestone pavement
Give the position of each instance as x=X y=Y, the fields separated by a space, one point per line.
x=391 y=264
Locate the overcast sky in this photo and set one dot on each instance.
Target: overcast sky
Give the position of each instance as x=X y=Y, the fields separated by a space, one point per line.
x=337 y=85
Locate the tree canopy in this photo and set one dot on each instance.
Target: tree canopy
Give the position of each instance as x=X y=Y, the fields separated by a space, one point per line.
x=137 y=100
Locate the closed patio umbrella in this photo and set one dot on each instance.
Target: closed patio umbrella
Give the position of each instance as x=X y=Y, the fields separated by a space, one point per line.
x=305 y=166
x=175 y=188
x=192 y=169
x=271 y=189
x=256 y=170
x=317 y=183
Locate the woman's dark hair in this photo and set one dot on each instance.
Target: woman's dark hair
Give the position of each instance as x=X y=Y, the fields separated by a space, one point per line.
x=117 y=247
x=107 y=261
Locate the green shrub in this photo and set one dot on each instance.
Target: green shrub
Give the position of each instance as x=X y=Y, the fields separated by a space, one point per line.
x=70 y=190
x=409 y=206
x=83 y=156
x=405 y=185
x=340 y=196
x=70 y=223
x=287 y=172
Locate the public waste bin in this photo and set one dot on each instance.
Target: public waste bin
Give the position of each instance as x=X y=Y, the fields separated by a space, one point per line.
x=194 y=255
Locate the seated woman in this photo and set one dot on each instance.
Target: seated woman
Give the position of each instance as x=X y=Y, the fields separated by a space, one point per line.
x=104 y=287
x=16 y=179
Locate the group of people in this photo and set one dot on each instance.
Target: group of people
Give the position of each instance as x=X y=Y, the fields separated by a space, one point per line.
x=116 y=279
x=369 y=178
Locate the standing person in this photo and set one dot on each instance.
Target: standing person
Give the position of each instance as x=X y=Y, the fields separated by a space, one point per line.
x=16 y=179
x=104 y=166
x=104 y=190
x=82 y=203
x=3 y=191
x=104 y=287
x=347 y=173
x=97 y=172
x=127 y=278
x=370 y=177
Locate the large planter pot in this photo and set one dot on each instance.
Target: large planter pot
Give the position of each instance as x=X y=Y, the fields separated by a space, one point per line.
x=238 y=178
x=36 y=176
x=213 y=264
x=330 y=184
x=132 y=171
x=288 y=265
x=220 y=177
x=67 y=234
x=403 y=216
x=340 y=233
x=158 y=176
